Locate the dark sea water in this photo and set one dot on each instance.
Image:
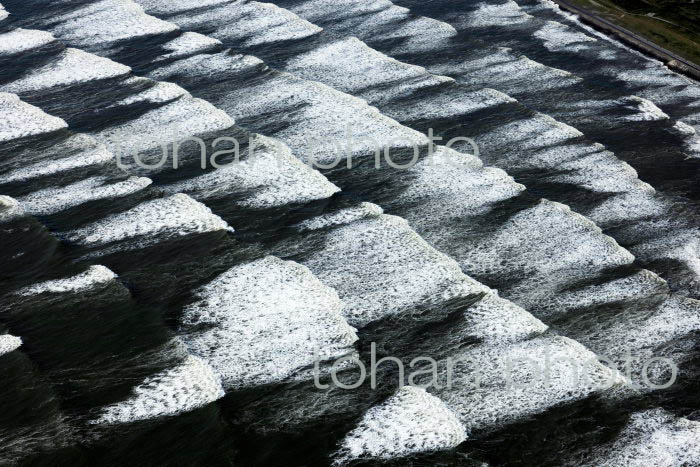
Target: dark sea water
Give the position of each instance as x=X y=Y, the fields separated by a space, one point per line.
x=168 y=316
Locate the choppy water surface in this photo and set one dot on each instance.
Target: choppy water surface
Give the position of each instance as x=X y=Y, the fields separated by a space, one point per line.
x=154 y=315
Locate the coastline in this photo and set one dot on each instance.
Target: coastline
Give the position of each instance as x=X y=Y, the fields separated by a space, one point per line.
x=634 y=40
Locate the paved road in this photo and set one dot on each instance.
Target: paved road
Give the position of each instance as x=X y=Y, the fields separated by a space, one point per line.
x=629 y=34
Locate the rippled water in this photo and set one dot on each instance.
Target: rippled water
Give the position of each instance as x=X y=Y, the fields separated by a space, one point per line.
x=160 y=316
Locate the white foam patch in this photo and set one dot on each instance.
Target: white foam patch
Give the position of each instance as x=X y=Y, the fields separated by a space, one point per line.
x=191 y=385
x=451 y=184
x=351 y=66
x=318 y=128
x=272 y=177
x=628 y=207
x=54 y=199
x=382 y=20
x=267 y=318
x=532 y=133
x=645 y=110
x=454 y=103
x=160 y=93
x=255 y=23
x=344 y=216
x=22 y=40
x=151 y=222
x=387 y=21
x=642 y=334
x=96 y=156
x=558 y=37
x=546 y=247
x=692 y=139
x=494 y=319
x=641 y=284
x=168 y=7
x=503 y=68
x=589 y=166
x=20 y=119
x=3 y=13
x=105 y=22
x=189 y=43
x=8 y=342
x=658 y=83
x=173 y=122
x=409 y=422
x=10 y=209
x=654 y=437
x=496 y=385
x=501 y=14
x=72 y=67
x=680 y=245
x=403 y=269
x=684 y=129
x=205 y=65
x=93 y=277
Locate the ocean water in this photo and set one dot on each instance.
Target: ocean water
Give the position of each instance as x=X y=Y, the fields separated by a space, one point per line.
x=161 y=315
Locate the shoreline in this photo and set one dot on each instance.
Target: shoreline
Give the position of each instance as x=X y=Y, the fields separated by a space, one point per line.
x=634 y=40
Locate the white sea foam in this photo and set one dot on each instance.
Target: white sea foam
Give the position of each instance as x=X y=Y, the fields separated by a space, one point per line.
x=401 y=267
x=94 y=156
x=106 y=21
x=21 y=119
x=344 y=216
x=684 y=129
x=203 y=66
x=189 y=43
x=692 y=139
x=409 y=422
x=151 y=222
x=272 y=177
x=93 y=277
x=654 y=437
x=506 y=69
x=351 y=66
x=8 y=343
x=501 y=14
x=682 y=245
x=169 y=7
x=191 y=385
x=382 y=20
x=646 y=110
x=160 y=93
x=451 y=184
x=21 y=40
x=10 y=209
x=545 y=247
x=644 y=332
x=531 y=133
x=493 y=403
x=318 y=115
x=454 y=103
x=557 y=37
x=73 y=66
x=497 y=320
x=636 y=286
x=54 y=199
x=175 y=121
x=3 y=13
x=249 y=23
x=267 y=319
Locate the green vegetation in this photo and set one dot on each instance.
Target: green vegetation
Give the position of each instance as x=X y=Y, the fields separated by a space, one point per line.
x=672 y=24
